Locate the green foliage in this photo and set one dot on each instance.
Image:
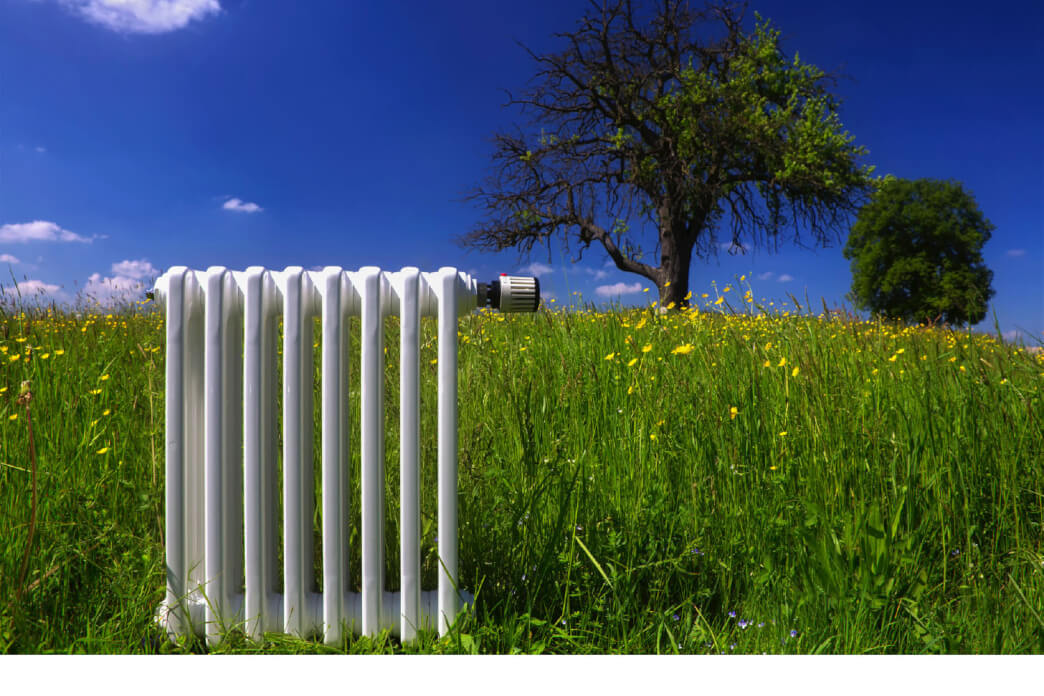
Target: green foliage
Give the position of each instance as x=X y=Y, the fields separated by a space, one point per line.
x=627 y=479
x=916 y=252
x=780 y=124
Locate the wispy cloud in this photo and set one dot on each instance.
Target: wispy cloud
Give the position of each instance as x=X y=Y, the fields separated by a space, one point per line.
x=785 y=278
x=40 y=148
x=536 y=269
x=37 y=231
x=143 y=16
x=767 y=275
x=128 y=279
x=7 y=258
x=596 y=273
x=240 y=206
x=1015 y=253
x=30 y=290
x=618 y=289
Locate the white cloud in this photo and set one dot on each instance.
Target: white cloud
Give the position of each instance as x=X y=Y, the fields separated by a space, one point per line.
x=138 y=270
x=596 y=273
x=240 y=206
x=785 y=278
x=1014 y=253
x=618 y=289
x=37 y=231
x=129 y=279
x=30 y=289
x=143 y=16
x=536 y=269
x=40 y=148
x=767 y=275
x=7 y=258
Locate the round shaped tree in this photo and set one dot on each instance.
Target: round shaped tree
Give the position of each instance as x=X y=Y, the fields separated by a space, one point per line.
x=916 y=253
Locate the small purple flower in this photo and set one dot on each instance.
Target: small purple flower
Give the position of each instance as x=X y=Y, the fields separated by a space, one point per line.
x=955 y=553
x=675 y=617
x=793 y=633
x=761 y=624
x=743 y=623
x=732 y=614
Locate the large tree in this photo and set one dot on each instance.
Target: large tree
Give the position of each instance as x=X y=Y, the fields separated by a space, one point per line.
x=916 y=252
x=638 y=120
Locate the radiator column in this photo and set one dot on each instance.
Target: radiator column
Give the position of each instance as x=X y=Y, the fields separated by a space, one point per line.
x=447 y=458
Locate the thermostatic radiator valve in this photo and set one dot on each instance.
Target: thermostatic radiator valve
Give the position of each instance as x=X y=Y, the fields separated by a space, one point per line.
x=510 y=294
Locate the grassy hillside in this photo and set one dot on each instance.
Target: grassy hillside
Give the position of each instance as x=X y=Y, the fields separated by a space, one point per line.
x=696 y=482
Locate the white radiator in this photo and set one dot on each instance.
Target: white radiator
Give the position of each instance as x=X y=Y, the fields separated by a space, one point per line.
x=221 y=447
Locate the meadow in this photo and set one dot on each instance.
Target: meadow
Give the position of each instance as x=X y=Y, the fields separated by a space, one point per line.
x=738 y=477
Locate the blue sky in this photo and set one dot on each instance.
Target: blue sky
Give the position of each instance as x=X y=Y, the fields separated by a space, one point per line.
x=136 y=135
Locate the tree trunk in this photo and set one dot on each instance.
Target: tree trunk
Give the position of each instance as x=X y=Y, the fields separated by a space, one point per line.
x=675 y=262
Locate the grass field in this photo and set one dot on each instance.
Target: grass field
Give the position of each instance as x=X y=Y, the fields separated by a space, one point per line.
x=700 y=482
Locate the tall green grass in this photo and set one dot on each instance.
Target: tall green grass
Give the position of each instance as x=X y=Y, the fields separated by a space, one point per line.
x=630 y=481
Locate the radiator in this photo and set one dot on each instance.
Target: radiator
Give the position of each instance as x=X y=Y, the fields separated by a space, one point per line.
x=222 y=449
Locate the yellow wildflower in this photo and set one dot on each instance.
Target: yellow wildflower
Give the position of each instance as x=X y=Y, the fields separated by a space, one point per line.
x=733 y=411
x=13 y=416
x=610 y=356
x=60 y=351
x=104 y=377
x=632 y=362
x=95 y=392
x=767 y=364
x=782 y=433
x=794 y=372
x=647 y=347
x=782 y=362
x=719 y=300
x=683 y=349
x=103 y=450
